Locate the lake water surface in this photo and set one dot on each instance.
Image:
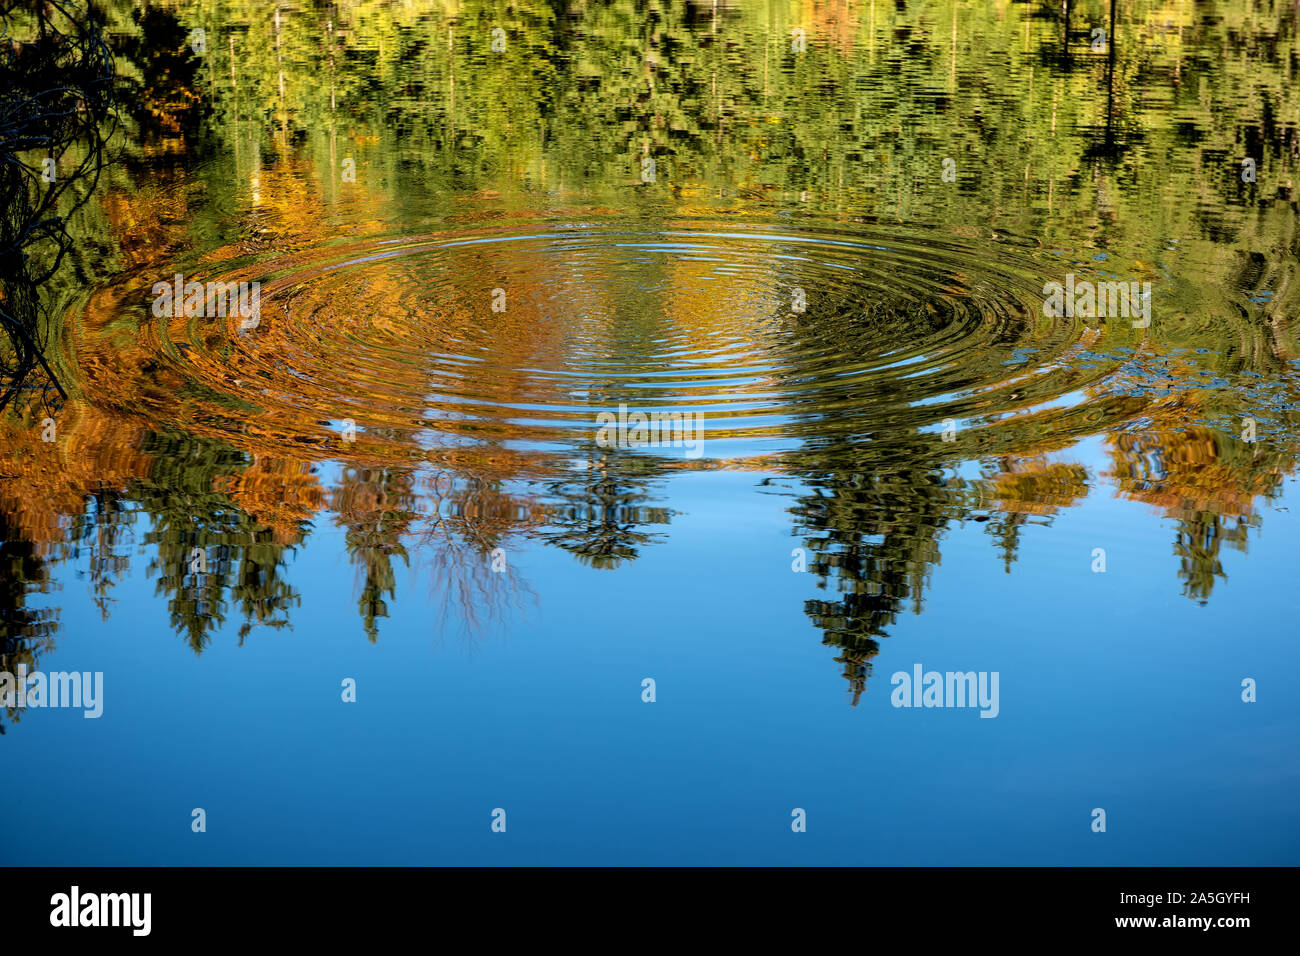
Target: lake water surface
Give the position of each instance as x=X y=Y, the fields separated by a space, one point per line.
x=823 y=236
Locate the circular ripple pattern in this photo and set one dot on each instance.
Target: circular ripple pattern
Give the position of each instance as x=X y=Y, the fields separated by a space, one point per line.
x=517 y=340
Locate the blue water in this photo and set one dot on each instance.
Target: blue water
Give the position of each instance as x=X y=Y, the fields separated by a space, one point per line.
x=1115 y=692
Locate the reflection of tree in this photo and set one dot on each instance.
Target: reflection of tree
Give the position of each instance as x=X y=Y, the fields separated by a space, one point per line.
x=879 y=499
x=207 y=547
x=163 y=81
x=1024 y=488
x=475 y=580
x=55 y=101
x=873 y=527
x=375 y=507
x=25 y=632
x=598 y=516
x=1207 y=481
x=457 y=523
x=1199 y=539
x=103 y=529
x=873 y=534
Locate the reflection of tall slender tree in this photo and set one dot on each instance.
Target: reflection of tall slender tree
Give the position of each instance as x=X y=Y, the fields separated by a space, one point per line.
x=104 y=528
x=1200 y=538
x=1005 y=530
x=375 y=506
x=25 y=632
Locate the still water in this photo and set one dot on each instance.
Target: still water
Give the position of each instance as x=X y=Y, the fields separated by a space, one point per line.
x=822 y=237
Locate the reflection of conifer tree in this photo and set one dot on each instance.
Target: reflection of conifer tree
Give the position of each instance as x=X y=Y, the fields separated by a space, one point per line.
x=238 y=554
x=598 y=516
x=260 y=590
x=872 y=525
x=1005 y=529
x=873 y=537
x=24 y=632
x=197 y=602
x=376 y=507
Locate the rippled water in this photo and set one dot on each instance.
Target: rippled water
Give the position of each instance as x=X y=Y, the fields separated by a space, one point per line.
x=396 y=474
x=776 y=335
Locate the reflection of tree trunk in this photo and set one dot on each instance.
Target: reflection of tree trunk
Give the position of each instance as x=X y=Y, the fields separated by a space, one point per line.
x=856 y=670
x=1065 y=37
x=871 y=36
x=334 y=163
x=1110 y=81
x=279 y=65
x=1277 y=322
x=952 y=70
x=234 y=92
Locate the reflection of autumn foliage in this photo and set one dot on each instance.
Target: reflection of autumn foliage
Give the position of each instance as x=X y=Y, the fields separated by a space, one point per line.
x=44 y=484
x=47 y=489
x=1028 y=487
x=1195 y=469
x=278 y=494
x=217 y=437
x=833 y=21
x=1208 y=482
x=241 y=512
x=1037 y=486
x=223 y=483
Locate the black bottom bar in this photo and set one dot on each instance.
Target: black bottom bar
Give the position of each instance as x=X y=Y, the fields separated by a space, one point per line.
x=332 y=904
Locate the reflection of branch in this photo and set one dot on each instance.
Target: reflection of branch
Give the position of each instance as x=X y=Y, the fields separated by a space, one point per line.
x=470 y=585
x=460 y=545
x=16 y=327
x=57 y=93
